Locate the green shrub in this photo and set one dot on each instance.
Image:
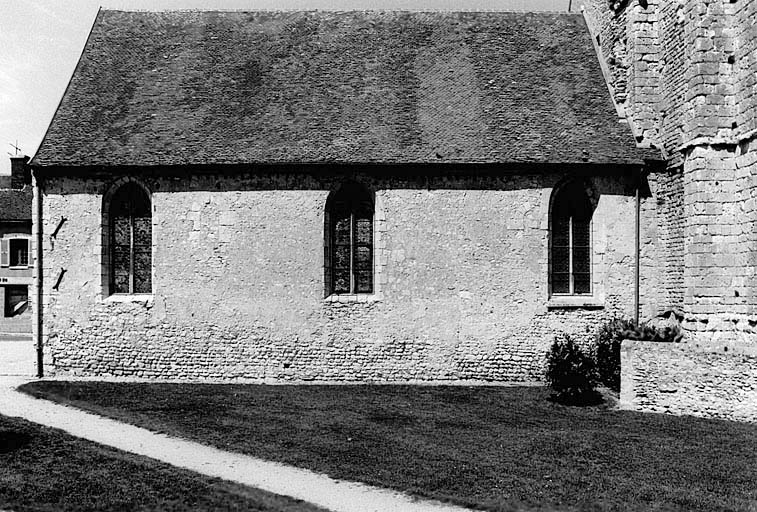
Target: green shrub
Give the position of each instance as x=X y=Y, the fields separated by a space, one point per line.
x=607 y=347
x=608 y=340
x=571 y=373
x=649 y=332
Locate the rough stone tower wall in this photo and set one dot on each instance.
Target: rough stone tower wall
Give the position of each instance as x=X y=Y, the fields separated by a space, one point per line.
x=673 y=80
x=644 y=91
x=708 y=109
x=627 y=36
x=667 y=189
x=720 y=170
x=642 y=80
x=745 y=74
x=708 y=127
x=687 y=84
x=610 y=33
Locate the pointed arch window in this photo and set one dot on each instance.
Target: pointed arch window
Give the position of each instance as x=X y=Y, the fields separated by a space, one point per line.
x=570 y=255
x=349 y=243
x=130 y=240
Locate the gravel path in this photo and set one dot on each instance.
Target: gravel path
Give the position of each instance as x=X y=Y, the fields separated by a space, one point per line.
x=335 y=495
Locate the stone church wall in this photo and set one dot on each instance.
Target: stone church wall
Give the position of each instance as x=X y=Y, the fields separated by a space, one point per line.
x=238 y=280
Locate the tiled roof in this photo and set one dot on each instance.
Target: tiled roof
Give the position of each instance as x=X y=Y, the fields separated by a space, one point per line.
x=177 y=88
x=16 y=204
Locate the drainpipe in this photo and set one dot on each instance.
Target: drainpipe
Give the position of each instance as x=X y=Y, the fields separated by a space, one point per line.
x=38 y=269
x=637 y=248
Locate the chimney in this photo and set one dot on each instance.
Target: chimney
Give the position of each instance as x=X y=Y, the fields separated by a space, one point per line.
x=20 y=172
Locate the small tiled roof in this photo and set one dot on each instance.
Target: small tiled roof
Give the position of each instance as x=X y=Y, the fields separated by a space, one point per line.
x=16 y=204
x=178 y=88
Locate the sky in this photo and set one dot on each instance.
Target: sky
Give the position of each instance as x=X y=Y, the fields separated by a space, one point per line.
x=41 y=41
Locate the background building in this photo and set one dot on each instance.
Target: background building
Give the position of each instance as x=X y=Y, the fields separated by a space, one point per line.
x=16 y=269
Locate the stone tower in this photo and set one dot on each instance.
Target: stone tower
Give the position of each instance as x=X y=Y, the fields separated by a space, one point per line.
x=684 y=75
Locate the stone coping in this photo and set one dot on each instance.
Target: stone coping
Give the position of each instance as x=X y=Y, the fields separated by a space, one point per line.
x=712 y=347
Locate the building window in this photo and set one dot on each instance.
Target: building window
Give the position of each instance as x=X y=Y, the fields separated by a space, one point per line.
x=16 y=301
x=349 y=243
x=14 y=252
x=19 y=252
x=130 y=240
x=570 y=254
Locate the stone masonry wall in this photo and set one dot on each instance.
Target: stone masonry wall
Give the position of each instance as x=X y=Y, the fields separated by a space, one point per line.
x=627 y=36
x=692 y=68
x=707 y=104
x=686 y=378
x=745 y=67
x=673 y=59
x=645 y=71
x=609 y=29
x=708 y=108
x=720 y=251
x=462 y=280
x=642 y=47
x=720 y=170
x=667 y=190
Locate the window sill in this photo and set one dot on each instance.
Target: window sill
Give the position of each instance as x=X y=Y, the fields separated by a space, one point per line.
x=145 y=298
x=352 y=298
x=575 y=301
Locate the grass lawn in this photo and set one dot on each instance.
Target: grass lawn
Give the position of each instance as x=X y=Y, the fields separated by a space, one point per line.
x=494 y=448
x=44 y=469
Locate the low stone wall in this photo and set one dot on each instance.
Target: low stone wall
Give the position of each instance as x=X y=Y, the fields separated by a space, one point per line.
x=712 y=381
